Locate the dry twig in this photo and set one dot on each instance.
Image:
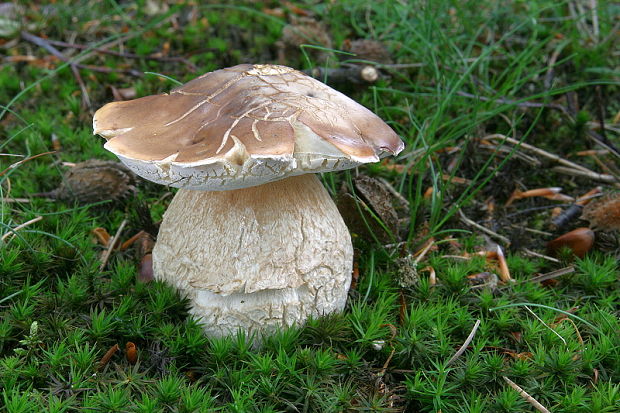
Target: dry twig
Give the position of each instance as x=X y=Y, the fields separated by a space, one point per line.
x=487 y=231
x=107 y=356
x=537 y=151
x=126 y=55
x=539 y=255
x=608 y=179
x=553 y=274
x=526 y=396
x=39 y=41
x=348 y=74
x=113 y=241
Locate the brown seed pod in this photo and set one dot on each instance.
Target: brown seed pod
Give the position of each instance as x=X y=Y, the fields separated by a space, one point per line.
x=368 y=49
x=604 y=213
x=95 y=181
x=131 y=352
x=303 y=30
x=375 y=196
x=579 y=241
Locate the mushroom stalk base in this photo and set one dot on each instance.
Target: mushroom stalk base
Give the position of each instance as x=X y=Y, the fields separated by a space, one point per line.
x=257 y=258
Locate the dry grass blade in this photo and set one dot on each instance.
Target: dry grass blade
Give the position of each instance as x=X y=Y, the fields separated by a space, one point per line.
x=539 y=152
x=13 y=231
x=553 y=274
x=526 y=396
x=608 y=179
x=484 y=229
x=463 y=347
x=108 y=252
x=16 y=164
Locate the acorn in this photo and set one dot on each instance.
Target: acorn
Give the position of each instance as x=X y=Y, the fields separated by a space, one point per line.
x=579 y=241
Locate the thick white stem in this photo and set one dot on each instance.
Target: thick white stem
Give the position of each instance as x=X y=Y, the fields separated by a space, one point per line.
x=256 y=258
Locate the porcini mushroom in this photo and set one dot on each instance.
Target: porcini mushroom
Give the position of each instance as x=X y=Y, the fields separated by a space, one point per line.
x=251 y=237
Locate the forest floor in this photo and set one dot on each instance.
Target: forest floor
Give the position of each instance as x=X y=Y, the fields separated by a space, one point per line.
x=458 y=299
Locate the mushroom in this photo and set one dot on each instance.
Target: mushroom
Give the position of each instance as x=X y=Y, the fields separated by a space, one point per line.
x=251 y=237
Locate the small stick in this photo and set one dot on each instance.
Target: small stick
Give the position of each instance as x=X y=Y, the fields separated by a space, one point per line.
x=526 y=396
x=532 y=230
x=525 y=104
x=108 y=252
x=80 y=82
x=483 y=229
x=507 y=149
x=126 y=55
x=538 y=151
x=107 y=356
x=468 y=340
x=17 y=200
x=12 y=232
x=420 y=254
x=354 y=74
x=553 y=274
x=608 y=179
x=603 y=166
x=456 y=257
x=102 y=236
x=539 y=255
x=387 y=363
x=39 y=41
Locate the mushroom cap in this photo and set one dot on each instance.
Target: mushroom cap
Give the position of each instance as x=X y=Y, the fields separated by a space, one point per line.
x=243 y=126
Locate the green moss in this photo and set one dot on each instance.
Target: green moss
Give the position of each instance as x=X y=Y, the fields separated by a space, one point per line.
x=59 y=314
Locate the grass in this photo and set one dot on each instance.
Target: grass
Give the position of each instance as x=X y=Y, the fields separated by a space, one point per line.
x=481 y=64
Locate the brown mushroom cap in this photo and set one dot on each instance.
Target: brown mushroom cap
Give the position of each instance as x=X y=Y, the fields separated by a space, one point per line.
x=243 y=126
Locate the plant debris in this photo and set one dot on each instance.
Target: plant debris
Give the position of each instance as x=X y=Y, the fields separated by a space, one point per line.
x=95 y=181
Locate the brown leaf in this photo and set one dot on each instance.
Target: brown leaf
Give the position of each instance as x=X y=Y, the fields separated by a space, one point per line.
x=375 y=200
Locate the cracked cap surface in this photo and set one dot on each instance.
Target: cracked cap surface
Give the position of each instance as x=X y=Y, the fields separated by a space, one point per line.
x=243 y=126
